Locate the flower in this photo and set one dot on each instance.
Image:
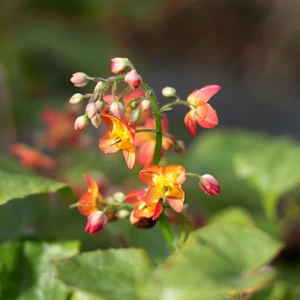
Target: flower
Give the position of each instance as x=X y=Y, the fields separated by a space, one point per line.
x=138 y=199
x=32 y=158
x=79 y=79
x=96 y=221
x=133 y=79
x=88 y=202
x=164 y=183
x=119 y=137
x=209 y=185
x=200 y=111
x=81 y=123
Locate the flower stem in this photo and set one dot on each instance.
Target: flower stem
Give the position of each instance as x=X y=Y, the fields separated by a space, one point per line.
x=146 y=130
x=166 y=229
x=193 y=175
x=156 y=113
x=175 y=103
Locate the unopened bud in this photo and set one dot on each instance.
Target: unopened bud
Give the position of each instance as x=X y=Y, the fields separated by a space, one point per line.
x=99 y=87
x=119 y=197
x=76 y=98
x=122 y=214
x=145 y=104
x=96 y=221
x=133 y=79
x=119 y=65
x=135 y=116
x=79 y=79
x=81 y=123
x=168 y=92
x=96 y=120
x=179 y=146
x=117 y=109
x=209 y=185
x=100 y=104
x=134 y=104
x=91 y=110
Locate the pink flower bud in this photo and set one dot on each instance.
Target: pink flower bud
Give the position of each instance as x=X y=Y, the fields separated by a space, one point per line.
x=91 y=110
x=133 y=79
x=119 y=65
x=135 y=116
x=81 y=123
x=79 y=79
x=145 y=104
x=76 y=98
x=168 y=92
x=117 y=109
x=96 y=120
x=209 y=185
x=96 y=221
x=100 y=104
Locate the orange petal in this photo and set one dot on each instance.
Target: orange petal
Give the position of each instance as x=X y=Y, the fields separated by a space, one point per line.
x=206 y=116
x=176 y=172
x=92 y=186
x=105 y=144
x=190 y=122
x=151 y=196
x=157 y=211
x=176 y=193
x=129 y=156
x=177 y=205
x=202 y=96
x=87 y=204
x=112 y=122
x=147 y=174
x=136 y=197
x=146 y=153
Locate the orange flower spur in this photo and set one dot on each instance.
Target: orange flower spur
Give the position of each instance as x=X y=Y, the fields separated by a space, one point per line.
x=138 y=199
x=200 y=111
x=88 y=202
x=165 y=183
x=119 y=137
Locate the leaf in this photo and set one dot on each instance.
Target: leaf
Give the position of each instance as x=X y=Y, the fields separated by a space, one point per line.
x=218 y=259
x=19 y=185
x=28 y=270
x=271 y=170
x=112 y=274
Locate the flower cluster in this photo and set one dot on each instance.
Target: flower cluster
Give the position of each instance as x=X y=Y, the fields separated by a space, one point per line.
x=138 y=127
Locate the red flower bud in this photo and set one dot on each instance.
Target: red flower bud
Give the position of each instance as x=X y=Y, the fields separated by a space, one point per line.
x=118 y=65
x=209 y=185
x=79 y=79
x=81 y=123
x=133 y=79
x=76 y=98
x=117 y=109
x=96 y=221
x=168 y=92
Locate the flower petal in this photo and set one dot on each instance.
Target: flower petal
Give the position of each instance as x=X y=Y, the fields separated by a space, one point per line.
x=129 y=155
x=190 y=122
x=176 y=173
x=92 y=186
x=105 y=143
x=149 y=173
x=202 y=96
x=87 y=204
x=136 y=197
x=206 y=116
x=146 y=153
x=177 y=205
x=176 y=193
x=151 y=196
x=157 y=211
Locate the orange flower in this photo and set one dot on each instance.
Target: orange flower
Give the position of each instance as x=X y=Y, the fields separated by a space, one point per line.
x=165 y=183
x=201 y=112
x=119 y=137
x=88 y=202
x=146 y=140
x=138 y=199
x=32 y=158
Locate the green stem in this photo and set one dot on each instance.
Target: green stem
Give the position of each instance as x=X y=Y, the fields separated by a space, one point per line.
x=193 y=175
x=156 y=113
x=175 y=103
x=146 y=130
x=117 y=204
x=166 y=229
x=125 y=92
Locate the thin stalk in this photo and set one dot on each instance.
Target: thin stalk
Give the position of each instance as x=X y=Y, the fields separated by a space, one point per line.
x=175 y=103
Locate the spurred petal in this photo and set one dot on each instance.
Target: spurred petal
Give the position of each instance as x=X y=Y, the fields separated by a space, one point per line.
x=87 y=204
x=157 y=211
x=177 y=205
x=106 y=144
x=206 y=116
x=175 y=172
x=148 y=174
x=200 y=97
x=92 y=186
x=136 y=197
x=112 y=122
x=129 y=156
x=190 y=122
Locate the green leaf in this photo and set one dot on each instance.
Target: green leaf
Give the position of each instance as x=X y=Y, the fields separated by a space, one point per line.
x=20 y=185
x=111 y=274
x=28 y=271
x=271 y=170
x=218 y=259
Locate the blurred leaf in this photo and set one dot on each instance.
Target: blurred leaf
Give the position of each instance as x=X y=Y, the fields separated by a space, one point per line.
x=111 y=274
x=11 y=165
x=27 y=268
x=19 y=185
x=233 y=215
x=79 y=295
x=216 y=260
x=271 y=170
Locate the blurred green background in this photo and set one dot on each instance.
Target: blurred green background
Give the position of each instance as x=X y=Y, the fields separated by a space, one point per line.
x=250 y=48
